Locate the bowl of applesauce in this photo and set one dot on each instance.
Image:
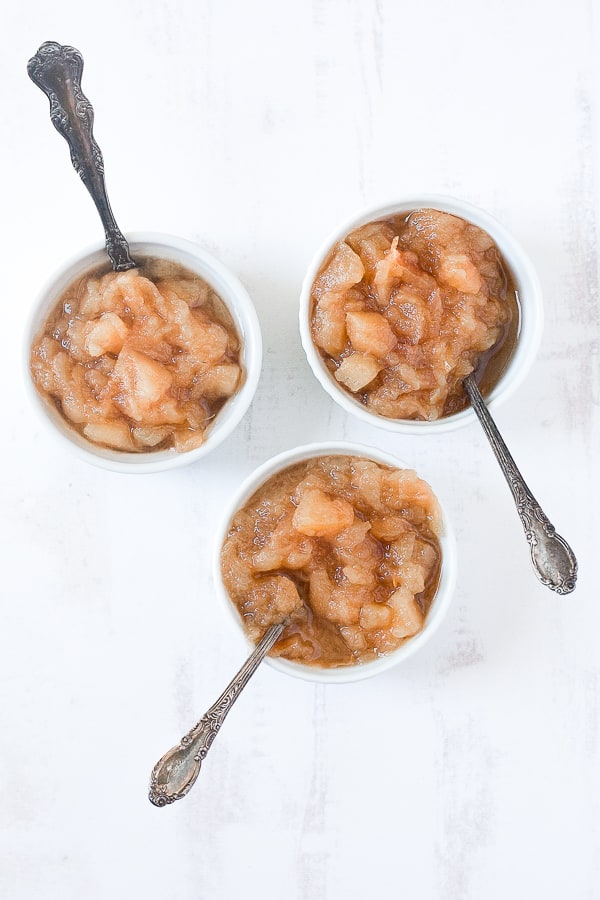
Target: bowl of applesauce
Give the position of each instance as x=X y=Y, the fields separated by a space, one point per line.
x=346 y=544
x=148 y=369
x=403 y=301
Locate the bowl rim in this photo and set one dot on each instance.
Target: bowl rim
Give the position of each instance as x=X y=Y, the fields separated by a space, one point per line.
x=530 y=301
x=440 y=602
x=239 y=304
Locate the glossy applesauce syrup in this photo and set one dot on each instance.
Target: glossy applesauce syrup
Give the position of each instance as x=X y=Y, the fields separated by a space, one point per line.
x=346 y=547
x=405 y=307
x=141 y=360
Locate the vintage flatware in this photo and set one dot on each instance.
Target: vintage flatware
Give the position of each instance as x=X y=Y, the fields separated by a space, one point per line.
x=553 y=560
x=175 y=773
x=57 y=70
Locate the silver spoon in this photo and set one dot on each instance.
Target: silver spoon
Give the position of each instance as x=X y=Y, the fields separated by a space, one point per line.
x=553 y=560
x=57 y=70
x=175 y=773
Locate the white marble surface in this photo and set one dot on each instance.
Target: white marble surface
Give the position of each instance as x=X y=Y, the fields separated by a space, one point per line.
x=470 y=772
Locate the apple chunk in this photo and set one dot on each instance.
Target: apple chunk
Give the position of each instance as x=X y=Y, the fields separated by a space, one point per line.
x=370 y=332
x=357 y=371
x=112 y=434
x=143 y=382
x=320 y=515
x=105 y=335
x=408 y=615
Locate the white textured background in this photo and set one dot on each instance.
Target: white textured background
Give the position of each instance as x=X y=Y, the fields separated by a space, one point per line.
x=472 y=771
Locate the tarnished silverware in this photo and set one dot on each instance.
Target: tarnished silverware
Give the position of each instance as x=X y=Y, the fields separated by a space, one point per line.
x=57 y=70
x=175 y=773
x=553 y=560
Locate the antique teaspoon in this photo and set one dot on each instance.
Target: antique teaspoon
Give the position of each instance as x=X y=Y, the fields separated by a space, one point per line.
x=57 y=70
x=553 y=560
x=175 y=773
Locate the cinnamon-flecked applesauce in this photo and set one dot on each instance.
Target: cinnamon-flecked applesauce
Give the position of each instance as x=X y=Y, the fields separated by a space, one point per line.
x=405 y=307
x=140 y=360
x=345 y=548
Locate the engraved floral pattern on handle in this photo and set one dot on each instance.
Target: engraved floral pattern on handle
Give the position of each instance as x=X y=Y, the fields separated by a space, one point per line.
x=176 y=772
x=57 y=71
x=553 y=560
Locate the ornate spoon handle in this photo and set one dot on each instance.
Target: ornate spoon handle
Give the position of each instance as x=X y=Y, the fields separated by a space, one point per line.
x=57 y=70
x=553 y=560
x=175 y=773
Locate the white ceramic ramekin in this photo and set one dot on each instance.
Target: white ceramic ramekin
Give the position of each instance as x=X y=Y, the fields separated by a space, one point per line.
x=356 y=672
x=530 y=300
x=233 y=294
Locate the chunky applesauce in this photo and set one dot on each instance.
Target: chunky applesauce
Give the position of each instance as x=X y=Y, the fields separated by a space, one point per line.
x=405 y=307
x=344 y=549
x=140 y=360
